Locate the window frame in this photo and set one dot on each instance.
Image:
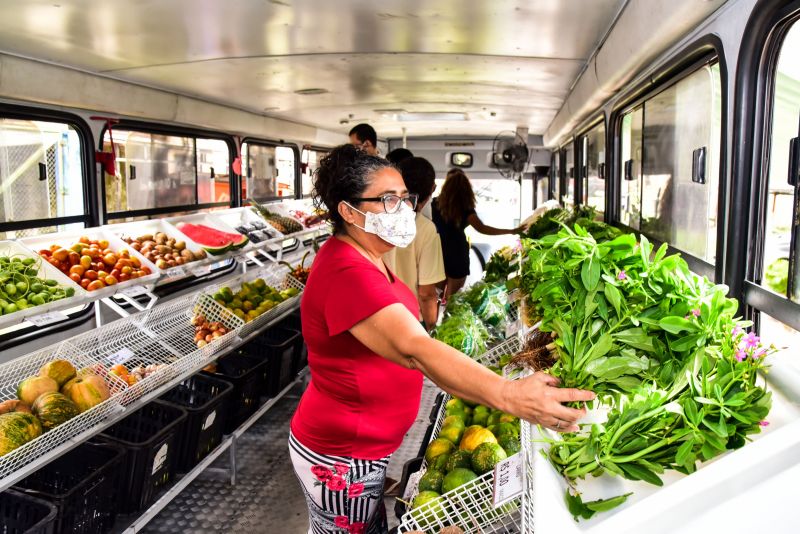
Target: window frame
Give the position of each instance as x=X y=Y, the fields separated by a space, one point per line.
x=705 y=50
x=316 y=148
x=753 y=121
x=579 y=141
x=298 y=178
x=90 y=215
x=166 y=129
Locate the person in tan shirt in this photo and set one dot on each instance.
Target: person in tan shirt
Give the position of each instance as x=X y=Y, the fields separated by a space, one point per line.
x=420 y=265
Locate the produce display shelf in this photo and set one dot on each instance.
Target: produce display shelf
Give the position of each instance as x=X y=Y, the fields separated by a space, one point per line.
x=228 y=444
x=469 y=506
x=161 y=336
x=13 y=248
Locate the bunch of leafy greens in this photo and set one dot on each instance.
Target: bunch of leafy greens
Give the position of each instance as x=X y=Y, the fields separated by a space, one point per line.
x=463 y=330
x=501 y=264
x=660 y=345
x=553 y=220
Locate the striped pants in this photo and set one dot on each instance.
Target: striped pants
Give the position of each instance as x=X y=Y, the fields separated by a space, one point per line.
x=344 y=495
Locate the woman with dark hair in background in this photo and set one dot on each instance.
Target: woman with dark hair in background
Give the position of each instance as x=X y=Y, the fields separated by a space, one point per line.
x=368 y=352
x=453 y=210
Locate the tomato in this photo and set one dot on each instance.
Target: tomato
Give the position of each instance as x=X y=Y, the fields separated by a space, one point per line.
x=61 y=254
x=115 y=273
x=74 y=258
x=135 y=262
x=76 y=278
x=91 y=274
x=103 y=243
x=83 y=239
x=145 y=270
x=97 y=284
x=46 y=253
x=92 y=252
x=126 y=270
x=110 y=280
x=86 y=261
x=85 y=282
x=124 y=277
x=77 y=269
x=101 y=274
x=109 y=259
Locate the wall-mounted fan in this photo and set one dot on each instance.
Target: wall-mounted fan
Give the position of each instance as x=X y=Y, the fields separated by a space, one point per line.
x=510 y=154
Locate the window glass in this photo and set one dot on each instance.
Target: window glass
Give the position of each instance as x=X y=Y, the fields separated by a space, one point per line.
x=153 y=171
x=213 y=171
x=542 y=190
x=630 y=168
x=569 y=166
x=785 y=338
x=309 y=160
x=681 y=125
x=556 y=176
x=461 y=159
x=594 y=155
x=269 y=171
x=780 y=195
x=41 y=174
x=527 y=194
x=497 y=203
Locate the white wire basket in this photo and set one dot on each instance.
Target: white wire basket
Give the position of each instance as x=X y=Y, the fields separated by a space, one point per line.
x=15 y=371
x=275 y=276
x=469 y=506
x=527 y=452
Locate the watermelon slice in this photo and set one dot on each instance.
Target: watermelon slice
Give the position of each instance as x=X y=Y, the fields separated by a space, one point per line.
x=215 y=242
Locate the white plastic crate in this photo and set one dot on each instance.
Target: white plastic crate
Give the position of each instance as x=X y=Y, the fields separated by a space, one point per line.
x=67 y=239
x=17 y=370
x=275 y=276
x=211 y=220
x=12 y=248
x=470 y=506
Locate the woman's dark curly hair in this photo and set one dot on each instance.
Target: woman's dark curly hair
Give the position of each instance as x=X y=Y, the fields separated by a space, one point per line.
x=343 y=175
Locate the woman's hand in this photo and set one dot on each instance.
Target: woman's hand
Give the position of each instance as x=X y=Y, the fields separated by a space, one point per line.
x=538 y=399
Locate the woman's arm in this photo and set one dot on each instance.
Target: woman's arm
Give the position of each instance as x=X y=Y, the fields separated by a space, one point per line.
x=476 y=223
x=395 y=334
x=428 y=298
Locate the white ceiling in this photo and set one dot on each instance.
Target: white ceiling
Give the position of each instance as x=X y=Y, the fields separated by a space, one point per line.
x=504 y=63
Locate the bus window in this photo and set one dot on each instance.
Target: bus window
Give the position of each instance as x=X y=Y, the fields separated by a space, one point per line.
x=542 y=190
x=630 y=168
x=569 y=195
x=527 y=195
x=309 y=160
x=41 y=177
x=158 y=171
x=555 y=176
x=269 y=171
x=593 y=155
x=213 y=164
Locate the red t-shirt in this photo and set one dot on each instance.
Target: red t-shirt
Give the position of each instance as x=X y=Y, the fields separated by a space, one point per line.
x=358 y=404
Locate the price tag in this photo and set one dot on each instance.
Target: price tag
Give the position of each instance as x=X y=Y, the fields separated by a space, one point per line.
x=133 y=291
x=202 y=270
x=47 y=318
x=120 y=357
x=513 y=327
x=175 y=272
x=507 y=480
x=413 y=485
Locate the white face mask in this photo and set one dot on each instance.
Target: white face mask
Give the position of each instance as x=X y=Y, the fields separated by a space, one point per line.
x=398 y=228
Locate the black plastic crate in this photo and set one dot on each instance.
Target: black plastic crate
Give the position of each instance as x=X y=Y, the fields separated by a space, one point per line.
x=278 y=346
x=150 y=438
x=202 y=397
x=82 y=485
x=301 y=351
x=247 y=374
x=23 y=514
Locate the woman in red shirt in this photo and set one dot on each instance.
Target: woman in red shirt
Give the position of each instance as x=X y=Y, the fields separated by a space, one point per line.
x=367 y=353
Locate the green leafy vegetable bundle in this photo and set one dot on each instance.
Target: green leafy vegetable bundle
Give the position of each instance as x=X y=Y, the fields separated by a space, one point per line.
x=660 y=346
x=464 y=331
x=501 y=264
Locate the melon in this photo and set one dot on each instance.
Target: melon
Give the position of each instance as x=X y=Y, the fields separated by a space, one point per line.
x=215 y=242
x=16 y=429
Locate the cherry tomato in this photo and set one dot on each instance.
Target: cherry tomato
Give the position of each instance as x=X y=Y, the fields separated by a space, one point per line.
x=77 y=269
x=97 y=284
x=86 y=261
x=115 y=273
x=110 y=280
x=85 y=282
x=83 y=239
x=74 y=258
x=77 y=278
x=91 y=274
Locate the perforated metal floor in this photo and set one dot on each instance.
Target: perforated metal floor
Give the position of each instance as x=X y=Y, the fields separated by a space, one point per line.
x=266 y=497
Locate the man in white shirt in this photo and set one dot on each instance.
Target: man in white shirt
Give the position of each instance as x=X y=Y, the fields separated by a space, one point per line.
x=420 y=265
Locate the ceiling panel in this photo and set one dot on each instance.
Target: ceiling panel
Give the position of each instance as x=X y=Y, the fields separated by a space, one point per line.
x=515 y=57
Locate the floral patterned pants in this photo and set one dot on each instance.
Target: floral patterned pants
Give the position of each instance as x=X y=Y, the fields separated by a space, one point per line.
x=344 y=495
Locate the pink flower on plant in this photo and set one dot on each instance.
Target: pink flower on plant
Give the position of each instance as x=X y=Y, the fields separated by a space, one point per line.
x=322 y=473
x=751 y=340
x=763 y=423
x=336 y=483
x=696 y=312
x=355 y=490
x=760 y=353
x=341 y=521
x=736 y=331
x=622 y=276
x=340 y=468
x=741 y=355
x=357 y=528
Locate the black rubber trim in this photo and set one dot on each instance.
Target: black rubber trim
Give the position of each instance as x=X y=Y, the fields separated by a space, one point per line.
x=777 y=306
x=91 y=215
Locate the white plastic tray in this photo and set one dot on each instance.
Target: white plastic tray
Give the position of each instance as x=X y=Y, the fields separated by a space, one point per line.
x=67 y=239
x=212 y=221
x=13 y=248
x=238 y=216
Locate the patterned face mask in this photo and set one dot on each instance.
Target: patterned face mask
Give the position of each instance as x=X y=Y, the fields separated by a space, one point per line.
x=398 y=228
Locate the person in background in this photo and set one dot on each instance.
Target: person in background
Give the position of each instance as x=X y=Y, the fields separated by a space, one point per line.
x=367 y=353
x=420 y=265
x=363 y=136
x=398 y=155
x=453 y=210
